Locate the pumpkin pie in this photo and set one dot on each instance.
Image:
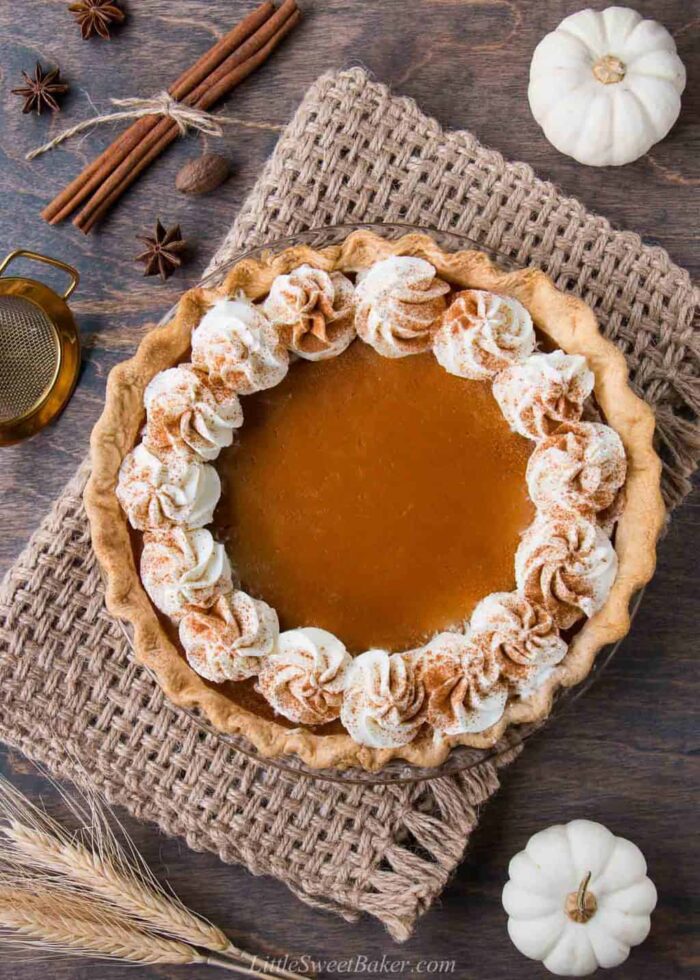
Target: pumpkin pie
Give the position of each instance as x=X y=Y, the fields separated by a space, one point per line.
x=373 y=501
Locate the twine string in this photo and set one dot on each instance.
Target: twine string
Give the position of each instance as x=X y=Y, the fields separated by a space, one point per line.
x=163 y=104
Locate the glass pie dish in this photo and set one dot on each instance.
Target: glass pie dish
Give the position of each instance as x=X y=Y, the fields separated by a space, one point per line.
x=461 y=757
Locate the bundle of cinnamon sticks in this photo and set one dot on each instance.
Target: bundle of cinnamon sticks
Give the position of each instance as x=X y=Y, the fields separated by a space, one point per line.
x=212 y=77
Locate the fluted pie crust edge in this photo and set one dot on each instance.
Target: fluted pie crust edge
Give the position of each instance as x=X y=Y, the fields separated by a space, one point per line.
x=570 y=324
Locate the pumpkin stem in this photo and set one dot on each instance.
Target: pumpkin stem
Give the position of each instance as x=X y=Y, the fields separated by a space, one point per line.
x=608 y=69
x=581 y=905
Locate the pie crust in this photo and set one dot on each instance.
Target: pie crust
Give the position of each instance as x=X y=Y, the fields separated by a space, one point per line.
x=571 y=326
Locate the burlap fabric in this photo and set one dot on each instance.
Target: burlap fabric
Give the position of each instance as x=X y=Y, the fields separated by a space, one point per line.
x=71 y=694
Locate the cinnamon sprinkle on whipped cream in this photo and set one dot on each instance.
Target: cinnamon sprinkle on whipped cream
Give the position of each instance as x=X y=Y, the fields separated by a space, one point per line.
x=305 y=677
x=384 y=701
x=543 y=391
x=230 y=640
x=181 y=569
x=189 y=416
x=313 y=311
x=154 y=494
x=522 y=635
x=481 y=334
x=237 y=347
x=399 y=304
x=581 y=467
x=567 y=565
x=463 y=685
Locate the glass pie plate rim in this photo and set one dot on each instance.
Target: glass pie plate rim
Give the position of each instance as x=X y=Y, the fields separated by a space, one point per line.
x=461 y=758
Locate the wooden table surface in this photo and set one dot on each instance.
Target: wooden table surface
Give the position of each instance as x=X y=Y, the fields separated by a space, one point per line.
x=624 y=753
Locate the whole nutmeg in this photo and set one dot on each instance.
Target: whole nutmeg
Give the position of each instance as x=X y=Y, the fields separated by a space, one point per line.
x=202 y=175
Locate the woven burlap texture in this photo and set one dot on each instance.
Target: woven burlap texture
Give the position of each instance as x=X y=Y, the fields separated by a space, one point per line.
x=71 y=696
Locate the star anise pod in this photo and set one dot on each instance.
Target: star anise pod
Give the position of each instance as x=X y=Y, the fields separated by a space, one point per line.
x=163 y=251
x=97 y=16
x=39 y=91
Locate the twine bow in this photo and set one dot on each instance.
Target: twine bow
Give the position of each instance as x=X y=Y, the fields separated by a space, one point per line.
x=163 y=104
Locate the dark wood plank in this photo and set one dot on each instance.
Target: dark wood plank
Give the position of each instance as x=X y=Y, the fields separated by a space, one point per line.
x=624 y=753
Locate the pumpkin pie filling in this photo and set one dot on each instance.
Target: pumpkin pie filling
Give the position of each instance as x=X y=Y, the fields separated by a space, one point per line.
x=377 y=498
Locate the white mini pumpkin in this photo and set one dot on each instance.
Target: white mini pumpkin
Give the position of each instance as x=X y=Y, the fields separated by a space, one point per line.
x=606 y=85
x=578 y=898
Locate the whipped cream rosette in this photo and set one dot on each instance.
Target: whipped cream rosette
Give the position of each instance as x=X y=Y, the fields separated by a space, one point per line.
x=523 y=636
x=313 y=311
x=566 y=564
x=384 y=700
x=230 y=640
x=237 y=346
x=305 y=677
x=188 y=417
x=481 y=334
x=543 y=391
x=581 y=467
x=154 y=494
x=463 y=685
x=399 y=304
x=182 y=568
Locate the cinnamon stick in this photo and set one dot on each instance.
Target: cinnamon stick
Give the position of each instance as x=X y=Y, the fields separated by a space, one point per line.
x=222 y=81
x=246 y=50
x=96 y=172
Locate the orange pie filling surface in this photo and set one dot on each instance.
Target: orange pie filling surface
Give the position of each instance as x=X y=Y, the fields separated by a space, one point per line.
x=380 y=499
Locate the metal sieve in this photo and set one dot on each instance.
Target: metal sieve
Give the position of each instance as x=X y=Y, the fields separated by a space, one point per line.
x=39 y=350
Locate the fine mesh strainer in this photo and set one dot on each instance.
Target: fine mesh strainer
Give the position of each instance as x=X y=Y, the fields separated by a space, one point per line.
x=39 y=350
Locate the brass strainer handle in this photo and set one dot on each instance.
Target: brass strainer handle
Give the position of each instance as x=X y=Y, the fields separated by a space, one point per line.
x=24 y=253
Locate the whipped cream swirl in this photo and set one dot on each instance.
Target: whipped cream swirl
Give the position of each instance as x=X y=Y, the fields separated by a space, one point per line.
x=187 y=417
x=523 y=636
x=581 y=467
x=481 y=334
x=463 y=684
x=384 y=701
x=566 y=564
x=313 y=311
x=305 y=678
x=181 y=568
x=543 y=391
x=154 y=494
x=231 y=640
x=237 y=346
x=399 y=304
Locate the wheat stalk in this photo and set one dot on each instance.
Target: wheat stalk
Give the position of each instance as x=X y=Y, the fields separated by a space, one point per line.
x=91 y=873
x=95 y=865
x=53 y=920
